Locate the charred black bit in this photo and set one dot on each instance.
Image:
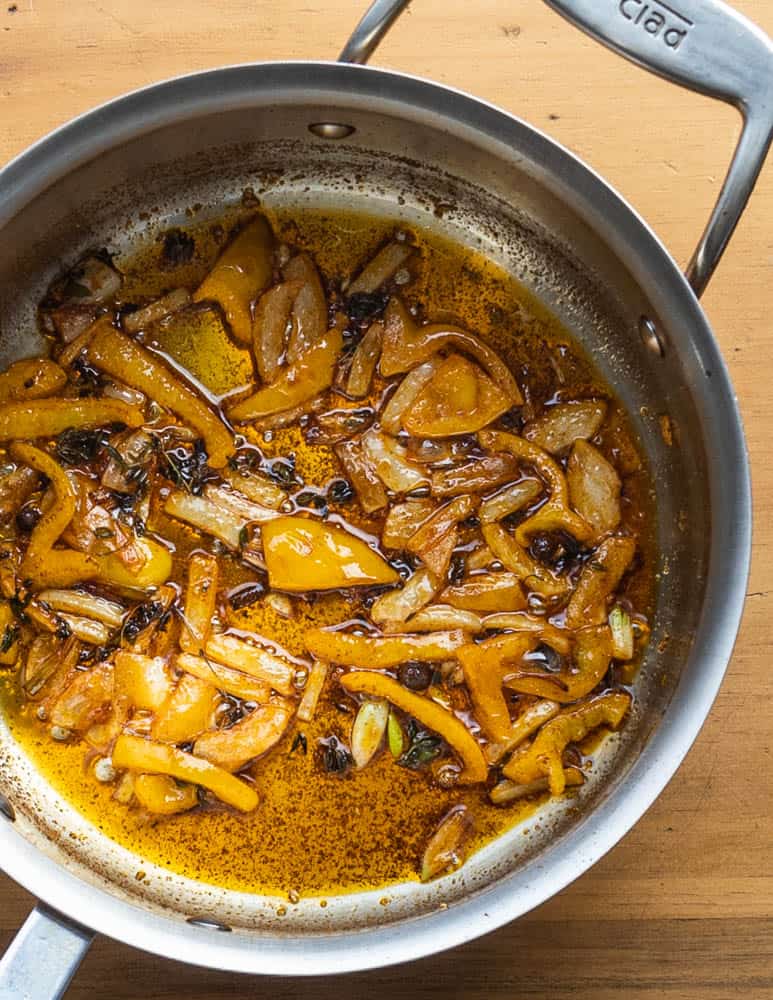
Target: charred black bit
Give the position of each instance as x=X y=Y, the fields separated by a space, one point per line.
x=140 y=618
x=17 y=604
x=244 y=536
x=300 y=743
x=79 y=447
x=178 y=248
x=123 y=501
x=10 y=635
x=363 y=307
x=557 y=549
x=282 y=471
x=311 y=500
x=415 y=675
x=186 y=466
x=246 y=595
x=27 y=518
x=512 y=420
x=63 y=630
x=340 y=491
x=404 y=565
x=545 y=656
x=334 y=756
x=456 y=570
x=87 y=379
x=423 y=747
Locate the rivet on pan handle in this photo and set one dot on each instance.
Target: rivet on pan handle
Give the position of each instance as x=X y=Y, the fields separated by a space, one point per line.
x=43 y=957
x=706 y=46
x=701 y=44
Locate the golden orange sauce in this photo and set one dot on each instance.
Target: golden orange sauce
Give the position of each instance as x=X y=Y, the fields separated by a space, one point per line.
x=318 y=833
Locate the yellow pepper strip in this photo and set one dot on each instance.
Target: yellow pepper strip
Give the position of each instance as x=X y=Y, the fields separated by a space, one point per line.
x=200 y=599
x=249 y=738
x=158 y=793
x=44 y=565
x=405 y=346
x=459 y=399
x=224 y=678
x=381 y=652
x=598 y=581
x=592 y=653
x=520 y=621
x=556 y=513
x=141 y=681
x=303 y=554
x=515 y=558
x=49 y=417
x=136 y=754
x=187 y=712
x=527 y=723
x=484 y=672
x=426 y=712
x=544 y=756
x=31 y=379
x=486 y=593
x=300 y=382
x=154 y=571
x=123 y=358
x=253 y=660
x=240 y=274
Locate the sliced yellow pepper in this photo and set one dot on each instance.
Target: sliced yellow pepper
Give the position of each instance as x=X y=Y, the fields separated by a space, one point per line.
x=554 y=515
x=241 y=272
x=383 y=651
x=31 y=378
x=486 y=592
x=136 y=754
x=42 y=564
x=303 y=554
x=484 y=672
x=247 y=739
x=49 y=417
x=159 y=793
x=140 y=681
x=458 y=399
x=299 y=383
x=123 y=358
x=187 y=712
x=154 y=571
x=405 y=346
x=429 y=714
x=544 y=756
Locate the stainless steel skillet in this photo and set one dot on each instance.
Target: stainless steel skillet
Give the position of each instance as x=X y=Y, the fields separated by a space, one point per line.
x=344 y=134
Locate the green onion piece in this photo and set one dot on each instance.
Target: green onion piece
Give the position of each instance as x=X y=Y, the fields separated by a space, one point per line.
x=395 y=736
x=622 y=634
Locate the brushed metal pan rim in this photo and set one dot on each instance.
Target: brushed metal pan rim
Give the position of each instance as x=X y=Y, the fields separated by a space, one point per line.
x=688 y=333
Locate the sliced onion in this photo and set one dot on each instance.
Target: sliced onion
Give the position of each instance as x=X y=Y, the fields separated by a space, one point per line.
x=86 y=629
x=313 y=690
x=509 y=500
x=508 y=791
x=561 y=425
x=389 y=459
x=360 y=470
x=368 y=730
x=404 y=520
x=437 y=617
x=444 y=849
x=398 y=605
x=78 y=602
x=255 y=487
x=206 y=515
x=383 y=266
x=406 y=393
x=364 y=362
x=141 y=319
x=236 y=503
x=271 y=326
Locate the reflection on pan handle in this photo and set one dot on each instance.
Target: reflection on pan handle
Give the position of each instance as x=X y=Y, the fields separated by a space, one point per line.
x=43 y=957
x=701 y=44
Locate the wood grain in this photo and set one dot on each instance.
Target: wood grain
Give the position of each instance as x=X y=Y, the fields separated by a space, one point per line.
x=683 y=908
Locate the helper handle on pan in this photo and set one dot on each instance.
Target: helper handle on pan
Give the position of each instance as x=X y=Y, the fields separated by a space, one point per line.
x=43 y=957
x=708 y=47
x=701 y=44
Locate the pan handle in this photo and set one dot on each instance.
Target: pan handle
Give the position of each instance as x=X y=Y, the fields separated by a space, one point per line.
x=701 y=44
x=43 y=957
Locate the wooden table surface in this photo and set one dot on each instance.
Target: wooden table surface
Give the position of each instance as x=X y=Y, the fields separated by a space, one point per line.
x=683 y=907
